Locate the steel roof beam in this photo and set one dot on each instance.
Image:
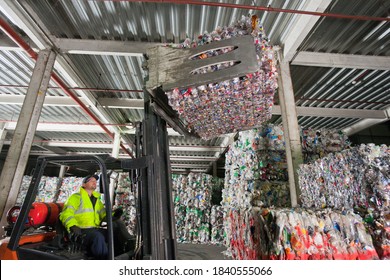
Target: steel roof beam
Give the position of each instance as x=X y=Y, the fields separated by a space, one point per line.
x=185 y=170
x=192 y=158
x=6 y=44
x=109 y=145
x=77 y=128
x=61 y=101
x=70 y=144
x=336 y=60
x=197 y=148
x=40 y=142
x=58 y=127
x=103 y=47
x=189 y=165
x=126 y=103
x=65 y=101
x=121 y=155
x=366 y=123
x=334 y=112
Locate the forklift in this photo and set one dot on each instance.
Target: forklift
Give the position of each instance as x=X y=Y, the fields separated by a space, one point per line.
x=150 y=170
x=34 y=231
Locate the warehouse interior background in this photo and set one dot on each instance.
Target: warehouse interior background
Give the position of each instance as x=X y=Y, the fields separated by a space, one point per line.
x=99 y=47
x=338 y=53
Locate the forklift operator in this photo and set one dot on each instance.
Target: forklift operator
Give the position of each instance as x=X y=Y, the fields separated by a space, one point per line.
x=82 y=216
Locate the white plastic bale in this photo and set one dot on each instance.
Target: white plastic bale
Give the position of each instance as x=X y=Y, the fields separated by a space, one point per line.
x=125 y=198
x=192 y=195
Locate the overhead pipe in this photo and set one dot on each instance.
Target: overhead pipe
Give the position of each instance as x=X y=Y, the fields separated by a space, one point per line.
x=259 y=8
x=22 y=44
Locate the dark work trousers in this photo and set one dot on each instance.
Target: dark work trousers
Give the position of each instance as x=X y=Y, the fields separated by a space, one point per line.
x=95 y=242
x=121 y=236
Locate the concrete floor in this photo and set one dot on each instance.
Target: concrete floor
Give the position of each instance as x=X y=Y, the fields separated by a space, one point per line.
x=200 y=252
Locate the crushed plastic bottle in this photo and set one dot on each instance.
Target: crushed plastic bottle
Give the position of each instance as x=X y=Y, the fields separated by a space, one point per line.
x=232 y=105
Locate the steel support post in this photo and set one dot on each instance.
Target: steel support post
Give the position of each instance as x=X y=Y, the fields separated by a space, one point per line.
x=3 y=134
x=116 y=146
x=62 y=171
x=115 y=154
x=291 y=129
x=16 y=160
x=215 y=168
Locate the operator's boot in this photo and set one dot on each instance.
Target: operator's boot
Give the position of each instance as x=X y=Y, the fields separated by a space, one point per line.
x=129 y=246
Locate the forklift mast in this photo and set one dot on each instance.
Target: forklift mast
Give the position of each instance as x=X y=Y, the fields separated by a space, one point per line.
x=155 y=192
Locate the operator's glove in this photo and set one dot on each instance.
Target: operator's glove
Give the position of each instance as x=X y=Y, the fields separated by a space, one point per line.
x=76 y=231
x=76 y=238
x=117 y=214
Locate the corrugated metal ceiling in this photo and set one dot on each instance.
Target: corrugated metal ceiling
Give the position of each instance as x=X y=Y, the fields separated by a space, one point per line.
x=334 y=35
x=162 y=22
x=152 y=22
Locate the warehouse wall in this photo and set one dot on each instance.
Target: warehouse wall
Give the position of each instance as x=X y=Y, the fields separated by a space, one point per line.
x=378 y=134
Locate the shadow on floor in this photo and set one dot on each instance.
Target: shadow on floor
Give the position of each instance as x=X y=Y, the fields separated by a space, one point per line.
x=200 y=252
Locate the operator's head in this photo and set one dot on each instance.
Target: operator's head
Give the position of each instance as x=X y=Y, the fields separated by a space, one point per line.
x=90 y=181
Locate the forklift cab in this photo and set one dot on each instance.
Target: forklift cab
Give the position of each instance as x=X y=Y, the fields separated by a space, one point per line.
x=35 y=232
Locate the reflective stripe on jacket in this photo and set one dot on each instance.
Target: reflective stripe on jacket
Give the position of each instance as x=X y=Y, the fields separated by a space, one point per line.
x=78 y=211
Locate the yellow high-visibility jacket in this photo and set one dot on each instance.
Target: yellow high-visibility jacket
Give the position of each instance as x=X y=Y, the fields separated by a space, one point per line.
x=78 y=211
